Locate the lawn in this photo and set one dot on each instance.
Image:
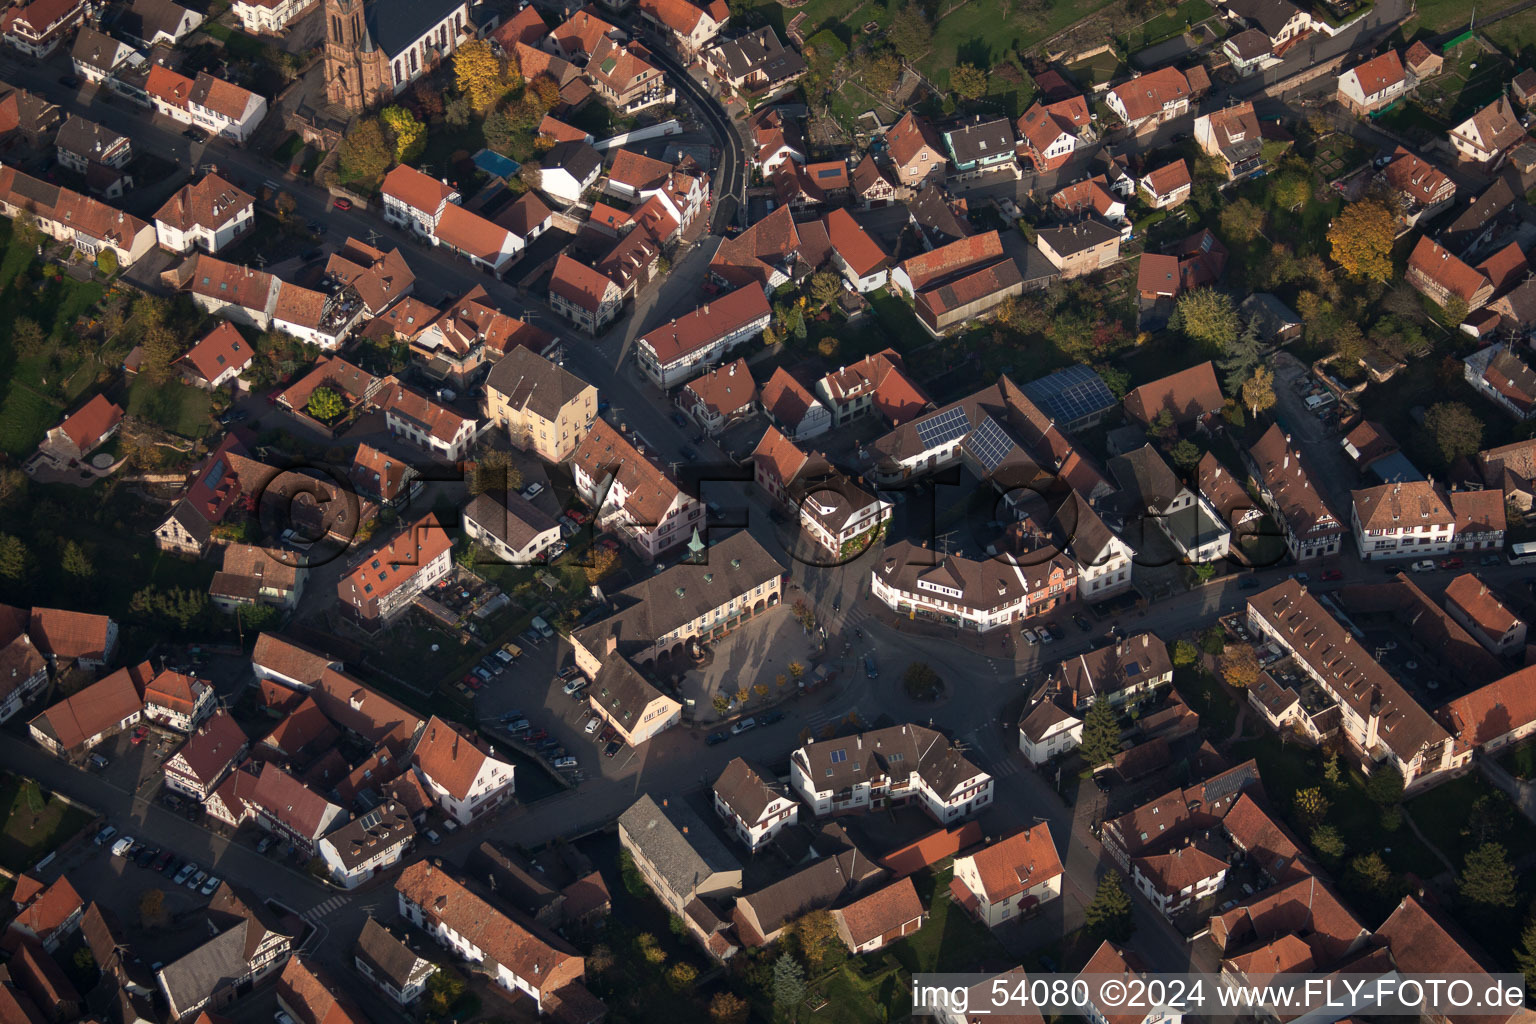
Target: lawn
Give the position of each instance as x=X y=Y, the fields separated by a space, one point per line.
x=1205 y=696
x=1098 y=69
x=25 y=417
x=949 y=940
x=34 y=827
x=1441 y=813
x=176 y=407
x=984 y=32
x=236 y=43
x=897 y=324
x=1515 y=35
x=1170 y=23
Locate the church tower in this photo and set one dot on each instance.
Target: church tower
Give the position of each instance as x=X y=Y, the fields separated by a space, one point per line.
x=354 y=66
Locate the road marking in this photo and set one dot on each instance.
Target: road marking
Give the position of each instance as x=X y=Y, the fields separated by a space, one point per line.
x=315 y=913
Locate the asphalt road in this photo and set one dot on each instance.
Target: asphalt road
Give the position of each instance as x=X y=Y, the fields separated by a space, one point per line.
x=730 y=177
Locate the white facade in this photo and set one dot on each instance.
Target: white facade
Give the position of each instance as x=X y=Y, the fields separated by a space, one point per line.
x=1170 y=903
x=780 y=813
x=972 y=796
x=994 y=913
x=178 y=718
x=273 y=19
x=351 y=877
x=1056 y=739
x=451 y=448
x=439 y=41
x=467 y=950
x=237 y=128
x=1108 y=574
x=688 y=365
x=211 y=240
x=401 y=213
x=649 y=539
x=528 y=553
x=48 y=742
x=491 y=787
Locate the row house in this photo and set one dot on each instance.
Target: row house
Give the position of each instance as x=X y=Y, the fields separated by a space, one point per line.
x=956 y=283
x=1186 y=517
x=1407 y=519
x=841 y=875
x=391 y=965
x=178 y=700
x=252 y=576
x=46 y=914
x=779 y=466
x=91 y=227
x=306 y=995
x=757 y=64
x=200 y=765
x=38 y=28
x=1374 y=85
x=1150 y=99
x=221 y=108
x=879 y=384
x=1009 y=880
x=385 y=583
x=972 y=595
x=465 y=778
x=208 y=215
x=753 y=808
x=793 y=409
x=415 y=201
x=369 y=277
x=889 y=767
x=413 y=417
x=1422 y=189
x=631 y=494
x=584 y=295
x=980 y=146
x=675 y=351
x=516 y=957
x=544 y=408
x=270 y=17
x=1049 y=133
x=1504 y=378
x=695 y=600
x=1310 y=528
x=452 y=345
x=511 y=527
x=78 y=723
x=684 y=864
x=1175 y=880
x=229 y=291
x=719 y=398
x=1488 y=136
x=685 y=27
x=1120 y=673
x=1478 y=610
x=292 y=811
x=23 y=674
x=1178 y=815
x=243 y=947
x=484 y=244
x=841 y=517
x=371 y=843
x=1381 y=720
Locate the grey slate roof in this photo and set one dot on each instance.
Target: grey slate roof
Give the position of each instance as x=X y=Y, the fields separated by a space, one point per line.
x=580 y=159
x=529 y=381
x=760 y=51
x=983 y=140
x=1145 y=478
x=745 y=791
x=395 y=24
x=1079 y=236
x=390 y=958
x=366 y=835
x=216 y=964
x=682 y=860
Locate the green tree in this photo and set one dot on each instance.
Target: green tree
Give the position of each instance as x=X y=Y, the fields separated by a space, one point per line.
x=1385 y=785
x=921 y=683
x=1108 y=916
x=825 y=287
x=366 y=152
x=325 y=405
x=1117 y=380
x=15 y=559
x=1328 y=843
x=478 y=74
x=444 y=988
x=1369 y=874
x=1487 y=879
x=1311 y=807
x=85 y=961
x=494 y=472
x=1490 y=818
x=681 y=976
x=1101 y=733
x=1361 y=240
x=1292 y=190
x=650 y=949
x=1331 y=773
x=1455 y=430
x=787 y=986
x=1163 y=428
x=27 y=336
x=1258 y=391
x=726 y=1008
x=721 y=703
x=410 y=134
x=1241 y=356
x=1240 y=666
x=1184 y=654
x=600 y=960
x=1525 y=955
x=1213 y=640
x=1208 y=316
x=76 y=562
x=816 y=937
x=1242 y=220
x=1204 y=571
x=1186 y=455
x=910 y=32
x=968 y=81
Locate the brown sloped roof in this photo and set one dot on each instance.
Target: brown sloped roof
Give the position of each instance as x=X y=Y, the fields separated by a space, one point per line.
x=1189 y=394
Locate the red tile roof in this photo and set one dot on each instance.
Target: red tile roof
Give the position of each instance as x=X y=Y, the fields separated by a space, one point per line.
x=1438 y=265
x=1019 y=862
x=168 y=86
x=391 y=565
x=638 y=171
x=786 y=399
x=415 y=189
x=580 y=284
x=1158 y=274
x=882 y=912
x=220 y=349
x=89 y=425
x=526 y=26
x=909 y=137
x=1168 y=179
x=213 y=747
x=1145 y=96
x=92 y=711
x=1189 y=394
x=862 y=253
x=725 y=390
x=68 y=635
x=43 y=909
x=1379 y=73
x=287 y=800
x=715 y=319
x=210 y=203
x=175 y=690
x=926 y=268
x=451 y=757
x=313 y=997
x=897 y=396
x=1493 y=711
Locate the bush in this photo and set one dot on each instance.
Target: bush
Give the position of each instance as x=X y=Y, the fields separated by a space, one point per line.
x=922 y=682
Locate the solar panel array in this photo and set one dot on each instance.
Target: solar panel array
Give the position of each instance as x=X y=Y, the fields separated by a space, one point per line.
x=990 y=444
x=1071 y=393
x=947 y=426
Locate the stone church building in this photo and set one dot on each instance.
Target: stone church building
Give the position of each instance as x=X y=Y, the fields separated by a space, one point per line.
x=373 y=51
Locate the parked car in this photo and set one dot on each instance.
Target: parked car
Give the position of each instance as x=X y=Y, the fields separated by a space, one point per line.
x=542 y=627
x=578 y=517
x=1423 y=565
x=484 y=673
x=566 y=763
x=185 y=873
x=1329 y=575
x=1490 y=559
x=613 y=748
x=1057 y=633
x=122 y=846
x=342 y=203
x=537 y=736
x=433 y=837
x=98 y=762
x=511 y=650
x=771 y=718
x=138 y=734
x=1451 y=563
x=504 y=656
x=593 y=725
x=680 y=420
x=265 y=844
x=160 y=860
x=1300 y=577
x=570 y=689
x=1030 y=636
x=147 y=856
x=196 y=881
x=745 y=725
x=1080 y=622
x=105 y=835
x=715 y=738
x=533 y=490
x=211 y=885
